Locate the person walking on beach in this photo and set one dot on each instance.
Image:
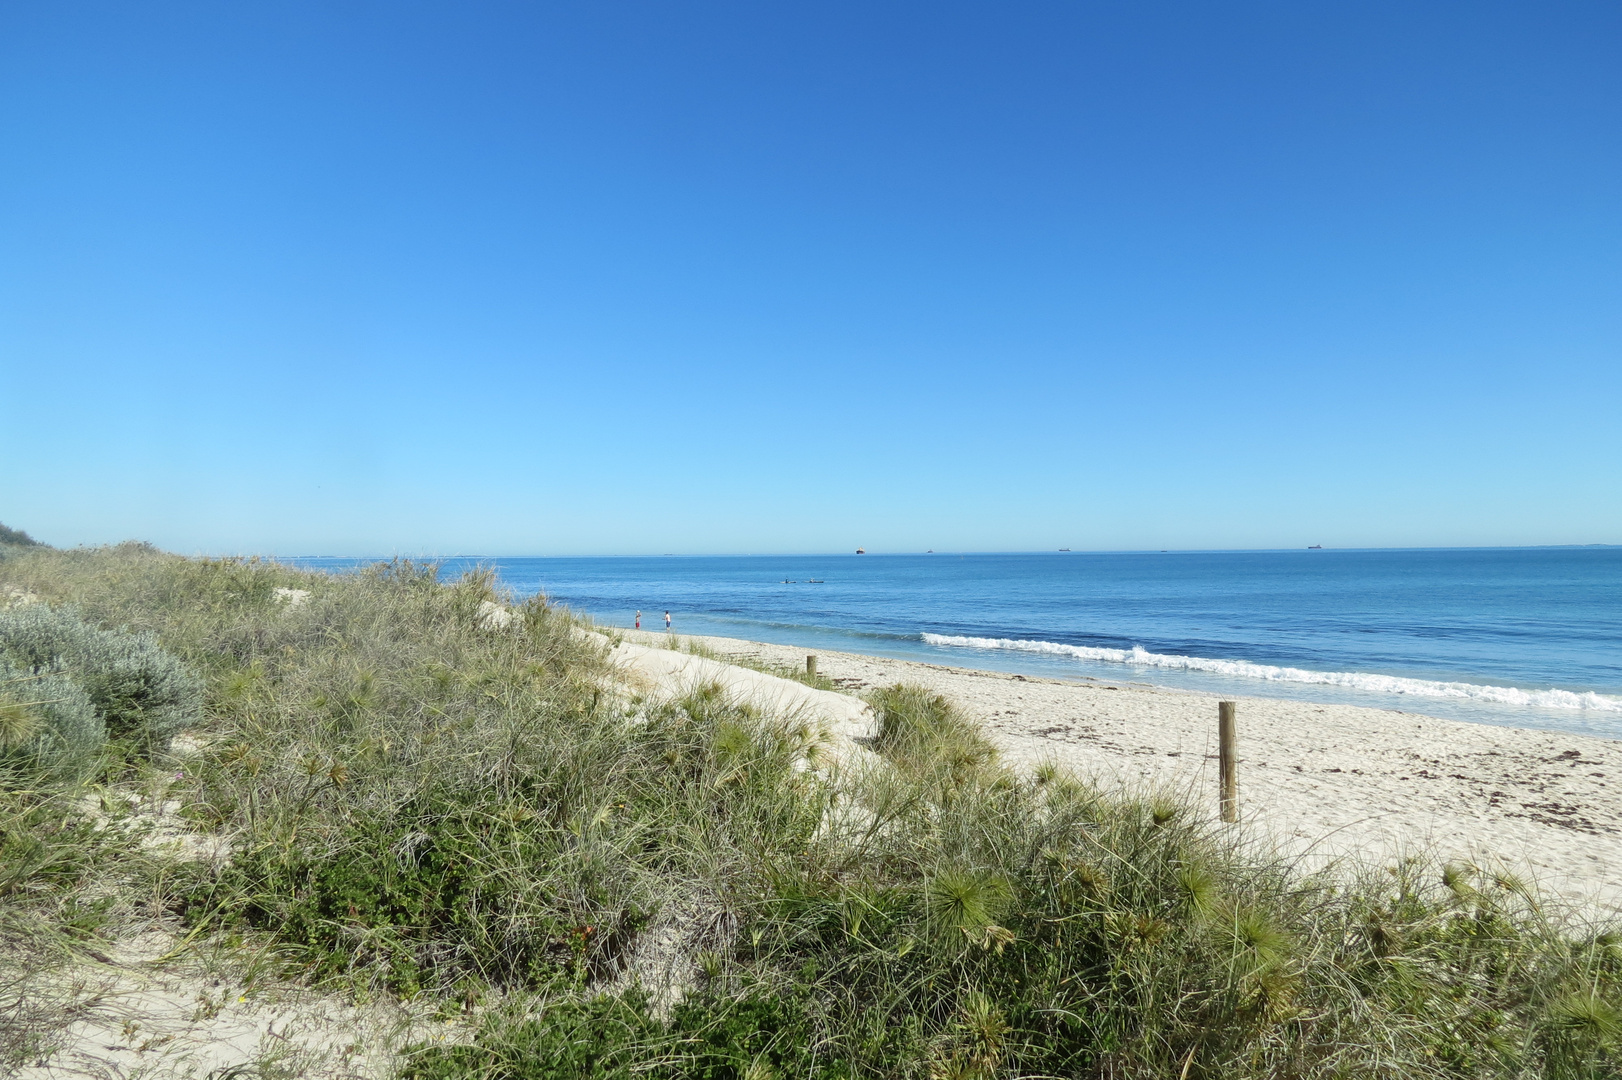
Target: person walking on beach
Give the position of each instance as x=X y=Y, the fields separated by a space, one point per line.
x=667 y=620
x=639 y=620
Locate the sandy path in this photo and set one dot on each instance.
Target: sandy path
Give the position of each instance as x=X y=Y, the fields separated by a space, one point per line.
x=143 y=1016
x=1327 y=782
x=668 y=673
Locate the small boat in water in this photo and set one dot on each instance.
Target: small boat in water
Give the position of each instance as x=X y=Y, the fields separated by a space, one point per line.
x=1315 y=547
x=861 y=551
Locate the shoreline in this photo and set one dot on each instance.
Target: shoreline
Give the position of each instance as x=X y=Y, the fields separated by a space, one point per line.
x=1331 y=785
x=1476 y=699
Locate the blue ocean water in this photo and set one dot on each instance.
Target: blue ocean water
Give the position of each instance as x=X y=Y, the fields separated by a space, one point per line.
x=1530 y=637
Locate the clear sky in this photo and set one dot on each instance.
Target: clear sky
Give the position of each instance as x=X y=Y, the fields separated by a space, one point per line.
x=725 y=277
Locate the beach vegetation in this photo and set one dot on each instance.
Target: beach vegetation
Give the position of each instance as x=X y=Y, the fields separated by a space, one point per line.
x=47 y=723
x=141 y=694
x=17 y=537
x=414 y=800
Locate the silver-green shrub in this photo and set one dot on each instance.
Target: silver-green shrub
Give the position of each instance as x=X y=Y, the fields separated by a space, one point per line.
x=47 y=721
x=141 y=693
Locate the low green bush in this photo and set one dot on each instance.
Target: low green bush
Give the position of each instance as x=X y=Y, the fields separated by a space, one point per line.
x=419 y=896
x=17 y=538
x=507 y=857
x=606 y=1037
x=47 y=722
x=143 y=694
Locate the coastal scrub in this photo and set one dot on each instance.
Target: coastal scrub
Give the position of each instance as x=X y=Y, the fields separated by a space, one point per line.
x=413 y=799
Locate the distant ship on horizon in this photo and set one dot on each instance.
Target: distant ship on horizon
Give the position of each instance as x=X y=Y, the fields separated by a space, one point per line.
x=1315 y=547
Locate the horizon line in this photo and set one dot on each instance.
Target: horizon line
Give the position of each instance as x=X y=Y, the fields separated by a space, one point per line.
x=966 y=551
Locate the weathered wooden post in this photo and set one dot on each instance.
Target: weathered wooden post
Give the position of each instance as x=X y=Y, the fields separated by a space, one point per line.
x=811 y=665
x=1228 y=758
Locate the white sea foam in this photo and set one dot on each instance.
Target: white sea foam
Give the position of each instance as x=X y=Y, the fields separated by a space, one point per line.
x=1138 y=656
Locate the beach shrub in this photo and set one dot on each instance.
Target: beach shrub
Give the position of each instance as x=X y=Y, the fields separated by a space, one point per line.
x=423 y=895
x=616 y=1037
x=47 y=722
x=508 y=861
x=142 y=693
x=603 y=1038
x=427 y=803
x=17 y=538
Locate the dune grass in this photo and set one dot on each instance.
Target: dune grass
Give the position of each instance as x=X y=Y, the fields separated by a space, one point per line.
x=418 y=803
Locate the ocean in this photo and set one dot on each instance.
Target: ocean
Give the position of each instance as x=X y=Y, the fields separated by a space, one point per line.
x=1527 y=637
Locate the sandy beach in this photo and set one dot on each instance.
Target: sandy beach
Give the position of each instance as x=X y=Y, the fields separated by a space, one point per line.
x=1326 y=783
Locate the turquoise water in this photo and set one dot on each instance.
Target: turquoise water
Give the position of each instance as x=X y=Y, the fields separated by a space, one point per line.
x=1530 y=637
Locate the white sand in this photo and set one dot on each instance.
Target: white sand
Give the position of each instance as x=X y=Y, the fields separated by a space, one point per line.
x=1330 y=783
x=666 y=673
x=153 y=1011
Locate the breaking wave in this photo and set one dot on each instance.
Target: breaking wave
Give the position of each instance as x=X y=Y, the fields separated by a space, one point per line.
x=1138 y=656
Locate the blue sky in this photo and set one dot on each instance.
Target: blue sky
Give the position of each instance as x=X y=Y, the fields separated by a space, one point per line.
x=627 y=278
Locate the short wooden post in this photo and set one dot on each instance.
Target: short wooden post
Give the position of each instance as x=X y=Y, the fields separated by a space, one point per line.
x=811 y=665
x=1228 y=758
